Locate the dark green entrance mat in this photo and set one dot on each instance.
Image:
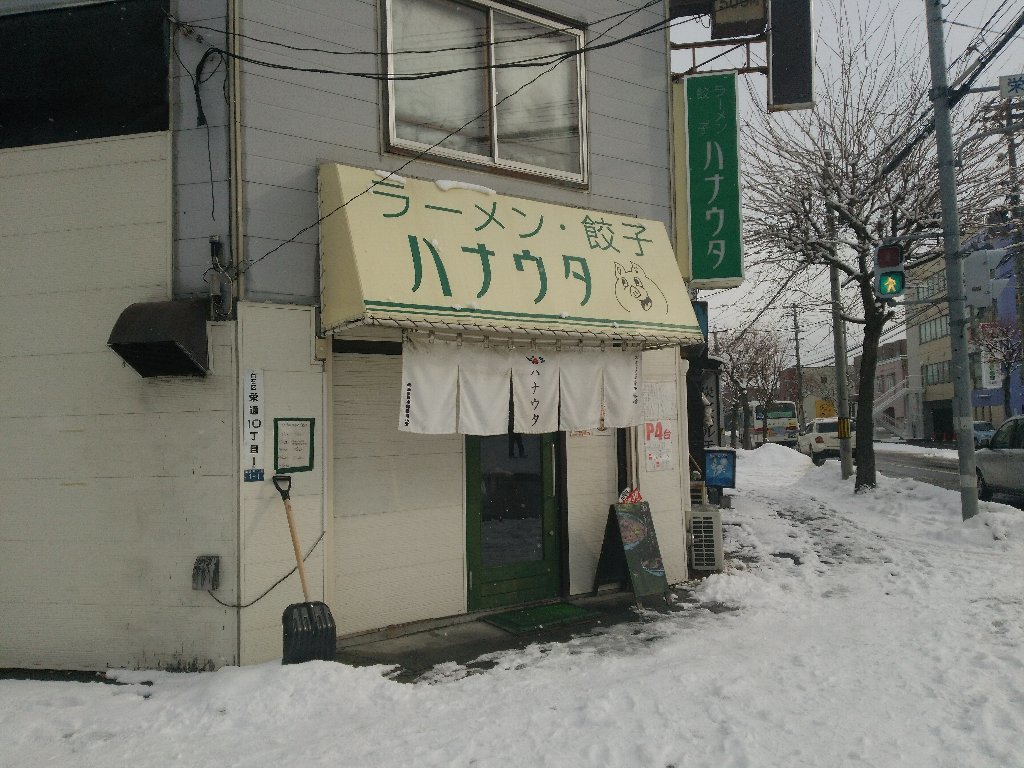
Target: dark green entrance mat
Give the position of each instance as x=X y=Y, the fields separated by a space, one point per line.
x=525 y=620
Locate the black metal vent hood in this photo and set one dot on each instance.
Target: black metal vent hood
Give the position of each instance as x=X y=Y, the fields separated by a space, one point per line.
x=163 y=338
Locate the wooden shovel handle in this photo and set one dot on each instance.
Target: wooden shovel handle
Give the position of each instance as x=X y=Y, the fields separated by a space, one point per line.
x=295 y=545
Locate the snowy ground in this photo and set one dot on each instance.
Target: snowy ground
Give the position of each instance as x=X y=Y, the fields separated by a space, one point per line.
x=869 y=630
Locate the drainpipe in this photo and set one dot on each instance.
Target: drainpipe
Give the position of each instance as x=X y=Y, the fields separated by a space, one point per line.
x=236 y=187
x=237 y=251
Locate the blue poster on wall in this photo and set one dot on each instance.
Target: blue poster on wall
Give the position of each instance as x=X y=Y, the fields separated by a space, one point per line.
x=720 y=467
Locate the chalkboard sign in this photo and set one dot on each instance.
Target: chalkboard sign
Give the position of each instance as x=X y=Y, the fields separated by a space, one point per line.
x=631 y=550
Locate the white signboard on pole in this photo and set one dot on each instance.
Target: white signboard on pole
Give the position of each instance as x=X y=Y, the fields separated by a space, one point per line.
x=1011 y=86
x=252 y=427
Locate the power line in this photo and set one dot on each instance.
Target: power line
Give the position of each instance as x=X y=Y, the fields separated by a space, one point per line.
x=956 y=94
x=239 y=270
x=476 y=46
x=532 y=62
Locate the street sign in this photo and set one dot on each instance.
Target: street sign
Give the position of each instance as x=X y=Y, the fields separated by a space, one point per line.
x=712 y=183
x=1011 y=86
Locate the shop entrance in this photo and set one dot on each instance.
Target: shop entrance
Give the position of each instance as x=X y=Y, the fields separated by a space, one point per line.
x=512 y=528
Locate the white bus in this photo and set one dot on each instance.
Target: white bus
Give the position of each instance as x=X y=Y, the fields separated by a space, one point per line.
x=783 y=427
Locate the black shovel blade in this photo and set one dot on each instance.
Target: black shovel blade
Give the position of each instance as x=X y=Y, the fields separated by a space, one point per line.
x=309 y=633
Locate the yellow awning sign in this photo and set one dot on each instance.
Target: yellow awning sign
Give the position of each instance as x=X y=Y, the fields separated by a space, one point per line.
x=424 y=254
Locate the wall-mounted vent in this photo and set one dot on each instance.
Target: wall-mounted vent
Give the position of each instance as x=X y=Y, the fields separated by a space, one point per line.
x=706 y=552
x=163 y=338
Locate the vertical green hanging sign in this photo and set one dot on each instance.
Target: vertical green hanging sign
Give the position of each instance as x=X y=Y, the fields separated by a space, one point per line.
x=713 y=180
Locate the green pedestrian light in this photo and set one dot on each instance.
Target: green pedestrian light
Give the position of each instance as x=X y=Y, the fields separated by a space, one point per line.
x=890 y=280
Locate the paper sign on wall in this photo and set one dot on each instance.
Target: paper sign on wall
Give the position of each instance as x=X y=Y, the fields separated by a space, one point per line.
x=658 y=445
x=293 y=445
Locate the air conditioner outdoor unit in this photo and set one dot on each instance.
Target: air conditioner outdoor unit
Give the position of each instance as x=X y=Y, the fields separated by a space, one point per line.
x=706 y=538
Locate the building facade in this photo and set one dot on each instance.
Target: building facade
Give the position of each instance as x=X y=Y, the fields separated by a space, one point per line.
x=990 y=297
x=929 y=355
x=239 y=242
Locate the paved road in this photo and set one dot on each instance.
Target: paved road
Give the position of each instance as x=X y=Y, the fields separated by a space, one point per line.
x=937 y=470
x=942 y=470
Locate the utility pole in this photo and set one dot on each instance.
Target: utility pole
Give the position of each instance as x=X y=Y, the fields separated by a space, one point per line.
x=839 y=345
x=799 y=374
x=962 y=418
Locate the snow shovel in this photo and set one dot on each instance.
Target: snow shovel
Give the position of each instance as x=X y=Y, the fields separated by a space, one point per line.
x=309 y=629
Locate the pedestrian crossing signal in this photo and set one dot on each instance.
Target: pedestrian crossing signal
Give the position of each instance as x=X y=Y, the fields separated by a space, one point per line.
x=890 y=280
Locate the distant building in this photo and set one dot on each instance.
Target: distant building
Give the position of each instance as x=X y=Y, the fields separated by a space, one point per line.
x=895 y=391
x=928 y=352
x=818 y=387
x=990 y=294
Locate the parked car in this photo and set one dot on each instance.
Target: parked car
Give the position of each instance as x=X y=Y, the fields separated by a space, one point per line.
x=1000 y=460
x=819 y=439
x=983 y=430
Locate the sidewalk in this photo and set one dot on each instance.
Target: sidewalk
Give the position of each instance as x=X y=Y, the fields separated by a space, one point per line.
x=416 y=648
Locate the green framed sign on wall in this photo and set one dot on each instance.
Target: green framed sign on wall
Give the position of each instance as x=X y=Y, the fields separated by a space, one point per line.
x=293 y=444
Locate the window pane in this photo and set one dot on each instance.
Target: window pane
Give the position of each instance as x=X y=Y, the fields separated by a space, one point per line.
x=1002 y=438
x=511 y=499
x=428 y=110
x=539 y=125
x=83 y=73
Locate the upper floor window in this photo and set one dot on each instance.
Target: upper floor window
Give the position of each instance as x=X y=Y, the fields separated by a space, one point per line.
x=83 y=72
x=527 y=119
x=934 y=285
x=933 y=329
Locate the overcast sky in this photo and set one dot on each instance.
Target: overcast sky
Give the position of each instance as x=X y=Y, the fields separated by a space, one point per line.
x=906 y=34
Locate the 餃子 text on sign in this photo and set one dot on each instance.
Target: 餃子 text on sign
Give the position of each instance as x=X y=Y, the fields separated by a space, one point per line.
x=424 y=254
x=713 y=233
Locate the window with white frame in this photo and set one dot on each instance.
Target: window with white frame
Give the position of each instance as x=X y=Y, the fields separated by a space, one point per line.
x=934 y=285
x=936 y=373
x=521 y=118
x=933 y=329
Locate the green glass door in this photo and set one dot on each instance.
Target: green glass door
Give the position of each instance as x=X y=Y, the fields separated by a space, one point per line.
x=512 y=526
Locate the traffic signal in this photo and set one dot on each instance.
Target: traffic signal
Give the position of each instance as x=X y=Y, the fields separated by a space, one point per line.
x=889 y=278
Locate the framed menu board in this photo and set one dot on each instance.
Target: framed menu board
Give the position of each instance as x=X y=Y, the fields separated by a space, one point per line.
x=293 y=444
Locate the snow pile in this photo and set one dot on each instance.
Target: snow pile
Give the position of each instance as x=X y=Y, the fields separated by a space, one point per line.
x=871 y=629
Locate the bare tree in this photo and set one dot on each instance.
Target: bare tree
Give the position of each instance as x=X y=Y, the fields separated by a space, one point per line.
x=752 y=362
x=766 y=373
x=823 y=189
x=1001 y=342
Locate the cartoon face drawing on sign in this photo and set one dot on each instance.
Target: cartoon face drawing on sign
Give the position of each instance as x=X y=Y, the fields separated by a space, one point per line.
x=634 y=288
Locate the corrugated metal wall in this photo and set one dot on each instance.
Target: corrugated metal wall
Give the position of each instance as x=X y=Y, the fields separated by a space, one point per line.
x=399 y=519
x=112 y=484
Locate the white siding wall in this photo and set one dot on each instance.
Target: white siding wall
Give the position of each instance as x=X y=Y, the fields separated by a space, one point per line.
x=592 y=473
x=399 y=505
x=112 y=483
x=279 y=340
x=667 y=490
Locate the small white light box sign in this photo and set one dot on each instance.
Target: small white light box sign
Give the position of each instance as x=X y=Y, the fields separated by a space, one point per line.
x=293 y=444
